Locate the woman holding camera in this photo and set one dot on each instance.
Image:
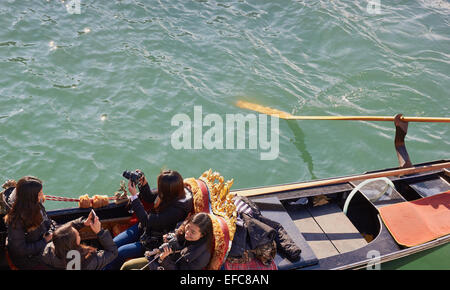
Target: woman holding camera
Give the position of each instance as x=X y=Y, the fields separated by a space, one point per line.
x=29 y=228
x=67 y=238
x=172 y=204
x=189 y=249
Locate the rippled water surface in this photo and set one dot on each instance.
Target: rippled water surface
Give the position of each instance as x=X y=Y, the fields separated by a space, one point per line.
x=85 y=96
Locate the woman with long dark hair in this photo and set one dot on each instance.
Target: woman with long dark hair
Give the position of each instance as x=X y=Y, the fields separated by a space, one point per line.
x=172 y=204
x=29 y=228
x=67 y=238
x=189 y=249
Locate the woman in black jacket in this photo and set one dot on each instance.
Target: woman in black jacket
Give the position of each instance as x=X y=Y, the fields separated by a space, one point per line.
x=188 y=249
x=29 y=228
x=172 y=204
x=67 y=238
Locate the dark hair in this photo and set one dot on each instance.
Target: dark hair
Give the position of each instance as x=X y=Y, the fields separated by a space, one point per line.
x=64 y=239
x=204 y=223
x=26 y=208
x=170 y=188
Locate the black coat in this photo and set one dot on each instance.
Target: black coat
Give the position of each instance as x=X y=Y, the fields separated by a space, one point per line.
x=25 y=247
x=254 y=230
x=155 y=225
x=95 y=261
x=193 y=256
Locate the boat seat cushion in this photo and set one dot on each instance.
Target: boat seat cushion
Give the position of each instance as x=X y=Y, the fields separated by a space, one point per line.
x=253 y=264
x=416 y=222
x=272 y=208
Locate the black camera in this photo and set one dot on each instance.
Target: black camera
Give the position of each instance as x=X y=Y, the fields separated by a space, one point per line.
x=134 y=176
x=172 y=243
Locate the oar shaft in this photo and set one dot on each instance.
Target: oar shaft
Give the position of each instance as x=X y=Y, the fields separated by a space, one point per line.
x=350 y=118
x=370 y=118
x=426 y=119
x=287 y=116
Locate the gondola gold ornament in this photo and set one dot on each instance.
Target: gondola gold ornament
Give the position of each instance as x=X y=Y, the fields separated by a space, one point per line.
x=216 y=200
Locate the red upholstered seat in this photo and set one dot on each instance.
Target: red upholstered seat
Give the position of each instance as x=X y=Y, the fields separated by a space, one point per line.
x=416 y=222
x=253 y=264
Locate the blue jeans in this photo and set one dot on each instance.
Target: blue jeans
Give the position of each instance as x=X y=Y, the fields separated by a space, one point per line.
x=129 y=247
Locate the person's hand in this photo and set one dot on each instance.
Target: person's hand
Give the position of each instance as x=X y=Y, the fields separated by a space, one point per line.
x=48 y=237
x=132 y=188
x=9 y=183
x=41 y=197
x=142 y=180
x=96 y=226
x=166 y=253
x=89 y=219
x=157 y=201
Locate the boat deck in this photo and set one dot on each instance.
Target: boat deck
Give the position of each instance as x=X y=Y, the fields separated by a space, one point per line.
x=327 y=230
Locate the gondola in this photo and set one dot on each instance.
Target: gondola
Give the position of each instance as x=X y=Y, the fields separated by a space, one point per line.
x=342 y=227
x=338 y=223
x=350 y=222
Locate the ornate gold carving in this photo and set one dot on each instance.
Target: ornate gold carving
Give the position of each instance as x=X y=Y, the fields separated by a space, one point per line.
x=220 y=247
x=197 y=195
x=222 y=206
x=221 y=199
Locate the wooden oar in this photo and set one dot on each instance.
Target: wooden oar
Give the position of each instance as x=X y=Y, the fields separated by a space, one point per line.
x=287 y=116
x=301 y=185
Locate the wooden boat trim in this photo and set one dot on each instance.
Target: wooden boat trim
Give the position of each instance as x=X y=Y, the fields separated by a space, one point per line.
x=295 y=186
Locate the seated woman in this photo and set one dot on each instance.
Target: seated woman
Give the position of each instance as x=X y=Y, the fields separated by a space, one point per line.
x=189 y=249
x=29 y=228
x=67 y=238
x=172 y=204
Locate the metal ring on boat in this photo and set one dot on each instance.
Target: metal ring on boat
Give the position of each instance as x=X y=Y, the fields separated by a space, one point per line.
x=364 y=183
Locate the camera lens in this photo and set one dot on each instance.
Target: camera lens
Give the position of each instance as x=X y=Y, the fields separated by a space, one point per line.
x=126 y=174
x=134 y=176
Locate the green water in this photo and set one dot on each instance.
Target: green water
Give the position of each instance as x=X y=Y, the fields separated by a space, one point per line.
x=433 y=259
x=85 y=96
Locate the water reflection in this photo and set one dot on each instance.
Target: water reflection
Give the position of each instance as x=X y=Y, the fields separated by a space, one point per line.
x=299 y=142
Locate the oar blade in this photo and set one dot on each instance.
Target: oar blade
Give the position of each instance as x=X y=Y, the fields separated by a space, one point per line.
x=263 y=109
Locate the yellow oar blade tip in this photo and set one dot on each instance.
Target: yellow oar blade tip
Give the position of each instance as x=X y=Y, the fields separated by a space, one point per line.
x=240 y=104
x=263 y=110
